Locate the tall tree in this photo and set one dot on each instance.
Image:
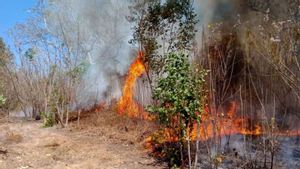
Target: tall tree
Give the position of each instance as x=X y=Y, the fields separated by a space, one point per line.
x=162 y=27
x=6 y=92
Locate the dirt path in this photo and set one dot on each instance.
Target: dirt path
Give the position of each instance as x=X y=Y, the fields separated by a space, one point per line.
x=28 y=145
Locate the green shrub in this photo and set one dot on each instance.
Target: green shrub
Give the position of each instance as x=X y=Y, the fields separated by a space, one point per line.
x=179 y=99
x=178 y=94
x=48 y=119
x=2 y=100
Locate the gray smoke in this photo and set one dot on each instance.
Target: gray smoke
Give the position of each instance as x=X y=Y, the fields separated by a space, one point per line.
x=99 y=31
x=214 y=10
x=228 y=10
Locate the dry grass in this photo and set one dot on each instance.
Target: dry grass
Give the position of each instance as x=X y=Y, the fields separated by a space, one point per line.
x=116 y=126
x=103 y=139
x=13 y=137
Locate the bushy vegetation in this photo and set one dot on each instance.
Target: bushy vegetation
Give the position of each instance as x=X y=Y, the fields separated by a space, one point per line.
x=160 y=28
x=48 y=119
x=179 y=92
x=5 y=83
x=179 y=97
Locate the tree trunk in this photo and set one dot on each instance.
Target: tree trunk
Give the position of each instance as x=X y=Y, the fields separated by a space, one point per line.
x=189 y=152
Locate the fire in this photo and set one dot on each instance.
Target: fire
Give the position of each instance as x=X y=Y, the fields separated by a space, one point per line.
x=218 y=125
x=224 y=123
x=213 y=125
x=127 y=104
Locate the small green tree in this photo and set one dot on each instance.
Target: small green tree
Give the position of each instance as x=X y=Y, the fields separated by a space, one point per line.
x=162 y=27
x=179 y=96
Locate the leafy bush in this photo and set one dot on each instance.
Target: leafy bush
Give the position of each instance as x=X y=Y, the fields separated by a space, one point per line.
x=48 y=119
x=179 y=92
x=179 y=96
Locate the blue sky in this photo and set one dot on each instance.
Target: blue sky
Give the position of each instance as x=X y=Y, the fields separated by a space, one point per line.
x=12 y=12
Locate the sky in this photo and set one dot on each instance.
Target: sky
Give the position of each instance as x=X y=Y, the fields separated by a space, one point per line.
x=12 y=12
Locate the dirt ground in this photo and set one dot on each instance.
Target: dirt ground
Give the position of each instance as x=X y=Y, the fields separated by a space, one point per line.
x=99 y=142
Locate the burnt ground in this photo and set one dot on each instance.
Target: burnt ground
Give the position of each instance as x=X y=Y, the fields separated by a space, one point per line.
x=101 y=141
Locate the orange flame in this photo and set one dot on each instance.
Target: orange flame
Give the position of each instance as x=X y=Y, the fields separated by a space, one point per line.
x=127 y=104
x=211 y=126
x=224 y=124
x=230 y=124
x=219 y=125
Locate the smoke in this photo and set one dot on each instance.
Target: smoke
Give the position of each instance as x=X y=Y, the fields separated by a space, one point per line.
x=215 y=10
x=210 y=11
x=99 y=32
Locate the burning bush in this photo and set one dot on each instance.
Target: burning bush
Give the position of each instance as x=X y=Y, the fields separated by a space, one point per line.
x=179 y=99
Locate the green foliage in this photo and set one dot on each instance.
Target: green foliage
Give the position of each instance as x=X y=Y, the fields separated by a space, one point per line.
x=30 y=54
x=79 y=70
x=5 y=54
x=48 y=119
x=178 y=93
x=2 y=100
x=179 y=97
x=5 y=59
x=172 y=22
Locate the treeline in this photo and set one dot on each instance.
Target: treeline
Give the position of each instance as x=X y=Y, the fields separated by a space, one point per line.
x=42 y=72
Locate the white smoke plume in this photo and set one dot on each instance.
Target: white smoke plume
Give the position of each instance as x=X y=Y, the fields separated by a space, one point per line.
x=98 y=29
